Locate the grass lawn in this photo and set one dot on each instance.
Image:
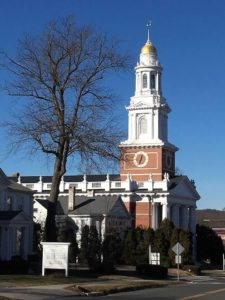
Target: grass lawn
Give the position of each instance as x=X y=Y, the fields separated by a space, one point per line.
x=76 y=278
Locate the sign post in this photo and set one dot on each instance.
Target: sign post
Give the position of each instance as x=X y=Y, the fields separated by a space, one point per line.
x=223 y=263
x=149 y=254
x=178 y=249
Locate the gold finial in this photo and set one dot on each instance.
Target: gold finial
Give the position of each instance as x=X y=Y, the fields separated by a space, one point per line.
x=148 y=47
x=148 y=25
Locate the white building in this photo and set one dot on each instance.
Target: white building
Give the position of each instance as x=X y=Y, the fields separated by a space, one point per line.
x=107 y=213
x=16 y=219
x=147 y=182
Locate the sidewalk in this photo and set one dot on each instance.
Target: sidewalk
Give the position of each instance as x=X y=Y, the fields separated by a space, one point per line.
x=103 y=285
x=88 y=288
x=37 y=292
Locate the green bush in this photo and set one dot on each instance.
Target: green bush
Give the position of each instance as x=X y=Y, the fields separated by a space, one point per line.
x=152 y=271
x=14 y=266
x=105 y=268
x=192 y=269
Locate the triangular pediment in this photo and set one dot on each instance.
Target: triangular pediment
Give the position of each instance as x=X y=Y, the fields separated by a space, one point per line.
x=140 y=104
x=14 y=217
x=3 y=178
x=119 y=209
x=181 y=187
x=21 y=217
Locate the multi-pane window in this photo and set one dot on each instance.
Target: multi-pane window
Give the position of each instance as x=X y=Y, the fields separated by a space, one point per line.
x=96 y=184
x=30 y=186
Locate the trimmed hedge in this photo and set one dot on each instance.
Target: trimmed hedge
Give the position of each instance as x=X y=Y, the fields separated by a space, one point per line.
x=152 y=271
x=104 y=268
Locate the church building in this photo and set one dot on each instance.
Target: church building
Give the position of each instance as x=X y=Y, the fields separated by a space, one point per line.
x=147 y=182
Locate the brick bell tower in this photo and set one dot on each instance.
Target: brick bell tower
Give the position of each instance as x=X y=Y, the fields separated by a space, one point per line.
x=147 y=153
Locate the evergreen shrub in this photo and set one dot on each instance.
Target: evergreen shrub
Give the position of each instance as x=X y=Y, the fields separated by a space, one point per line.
x=14 y=266
x=105 y=268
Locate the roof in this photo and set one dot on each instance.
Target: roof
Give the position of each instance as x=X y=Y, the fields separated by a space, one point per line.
x=99 y=205
x=94 y=205
x=62 y=204
x=175 y=181
x=182 y=186
x=211 y=217
x=7 y=215
x=43 y=202
x=19 y=187
x=3 y=178
x=67 y=178
x=11 y=184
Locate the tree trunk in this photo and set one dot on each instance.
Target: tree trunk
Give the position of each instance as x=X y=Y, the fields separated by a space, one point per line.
x=50 y=225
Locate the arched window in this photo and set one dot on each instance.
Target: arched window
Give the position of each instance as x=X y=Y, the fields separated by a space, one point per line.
x=143 y=128
x=145 y=81
x=152 y=81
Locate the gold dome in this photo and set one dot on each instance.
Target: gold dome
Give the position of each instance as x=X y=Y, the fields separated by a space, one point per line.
x=148 y=49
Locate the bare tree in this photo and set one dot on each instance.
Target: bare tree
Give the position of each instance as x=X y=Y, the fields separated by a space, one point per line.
x=68 y=109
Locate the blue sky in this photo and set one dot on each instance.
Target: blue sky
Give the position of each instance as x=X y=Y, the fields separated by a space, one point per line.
x=190 y=38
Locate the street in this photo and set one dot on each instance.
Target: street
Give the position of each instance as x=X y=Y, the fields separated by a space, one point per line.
x=202 y=287
x=182 y=292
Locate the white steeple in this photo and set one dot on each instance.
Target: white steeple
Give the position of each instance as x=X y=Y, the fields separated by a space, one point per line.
x=148 y=109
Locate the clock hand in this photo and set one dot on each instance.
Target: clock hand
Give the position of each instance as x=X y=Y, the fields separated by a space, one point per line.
x=140 y=160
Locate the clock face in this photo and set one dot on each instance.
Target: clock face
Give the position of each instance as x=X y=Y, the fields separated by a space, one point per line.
x=140 y=159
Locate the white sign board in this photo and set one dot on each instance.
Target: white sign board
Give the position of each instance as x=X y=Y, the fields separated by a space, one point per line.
x=178 y=259
x=155 y=259
x=55 y=256
x=178 y=248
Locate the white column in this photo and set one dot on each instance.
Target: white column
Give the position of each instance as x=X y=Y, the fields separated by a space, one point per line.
x=40 y=185
x=84 y=184
x=156 y=124
x=192 y=220
x=182 y=216
x=129 y=126
x=157 y=82
x=134 y=126
x=136 y=83
x=164 y=211
x=168 y=211
x=107 y=183
x=150 y=183
x=151 y=124
x=185 y=217
x=138 y=88
x=176 y=216
x=62 y=185
x=154 y=216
